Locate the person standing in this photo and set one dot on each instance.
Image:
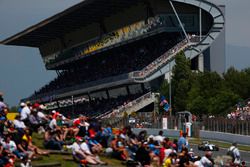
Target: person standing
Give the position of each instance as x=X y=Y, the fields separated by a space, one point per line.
x=182 y=142
x=234 y=152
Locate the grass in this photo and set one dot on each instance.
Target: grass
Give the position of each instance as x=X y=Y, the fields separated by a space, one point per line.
x=221 y=144
x=38 y=141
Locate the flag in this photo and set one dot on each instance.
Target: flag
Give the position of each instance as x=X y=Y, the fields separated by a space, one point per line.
x=164 y=103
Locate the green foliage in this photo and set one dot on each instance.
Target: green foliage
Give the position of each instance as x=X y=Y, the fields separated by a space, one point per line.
x=238 y=81
x=181 y=82
x=13 y=109
x=208 y=92
x=164 y=88
x=221 y=102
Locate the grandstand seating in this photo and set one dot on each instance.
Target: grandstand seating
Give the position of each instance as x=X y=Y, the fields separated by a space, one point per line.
x=126 y=33
x=122 y=60
x=96 y=106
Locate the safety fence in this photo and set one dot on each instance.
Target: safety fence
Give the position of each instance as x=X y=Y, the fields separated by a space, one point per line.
x=220 y=125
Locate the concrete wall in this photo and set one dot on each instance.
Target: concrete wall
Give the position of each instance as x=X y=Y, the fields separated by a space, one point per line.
x=242 y=139
x=169 y=132
x=228 y=137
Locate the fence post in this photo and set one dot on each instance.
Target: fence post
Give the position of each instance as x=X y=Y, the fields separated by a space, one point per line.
x=247 y=127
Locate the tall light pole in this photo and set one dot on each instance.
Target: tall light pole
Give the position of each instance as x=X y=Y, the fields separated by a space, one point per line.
x=73 y=112
x=170 y=89
x=200 y=17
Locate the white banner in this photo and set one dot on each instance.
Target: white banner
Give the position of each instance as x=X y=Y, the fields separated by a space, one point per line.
x=164 y=123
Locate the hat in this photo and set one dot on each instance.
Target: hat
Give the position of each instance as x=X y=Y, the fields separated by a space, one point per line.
x=53 y=111
x=122 y=136
x=78 y=138
x=36 y=105
x=22 y=104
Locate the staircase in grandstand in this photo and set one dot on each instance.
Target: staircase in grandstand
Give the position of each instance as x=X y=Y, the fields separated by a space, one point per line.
x=130 y=107
x=191 y=49
x=159 y=66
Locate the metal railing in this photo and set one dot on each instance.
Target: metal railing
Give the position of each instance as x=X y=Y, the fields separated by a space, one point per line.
x=164 y=59
x=50 y=96
x=121 y=109
x=219 y=124
x=222 y=124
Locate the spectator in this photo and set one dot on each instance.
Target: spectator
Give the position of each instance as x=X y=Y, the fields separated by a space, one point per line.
x=159 y=138
x=182 y=142
x=234 y=152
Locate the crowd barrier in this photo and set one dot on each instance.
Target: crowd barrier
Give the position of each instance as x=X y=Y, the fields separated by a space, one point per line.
x=227 y=137
x=241 y=139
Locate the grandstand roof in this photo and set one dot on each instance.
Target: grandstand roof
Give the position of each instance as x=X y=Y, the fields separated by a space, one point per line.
x=75 y=17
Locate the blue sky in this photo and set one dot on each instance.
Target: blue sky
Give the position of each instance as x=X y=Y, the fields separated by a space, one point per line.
x=22 y=70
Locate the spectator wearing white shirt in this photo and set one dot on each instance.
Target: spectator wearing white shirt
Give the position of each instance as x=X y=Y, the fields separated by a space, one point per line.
x=159 y=138
x=25 y=112
x=85 y=148
x=79 y=154
x=19 y=125
x=236 y=153
x=206 y=161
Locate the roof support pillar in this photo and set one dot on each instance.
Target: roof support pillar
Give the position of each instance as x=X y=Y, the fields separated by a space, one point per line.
x=182 y=27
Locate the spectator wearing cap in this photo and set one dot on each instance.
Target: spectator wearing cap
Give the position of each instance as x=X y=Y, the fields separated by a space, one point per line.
x=80 y=125
x=236 y=153
x=28 y=139
x=78 y=153
x=86 y=149
x=25 y=112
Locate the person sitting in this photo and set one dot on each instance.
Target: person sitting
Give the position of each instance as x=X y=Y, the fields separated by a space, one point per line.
x=79 y=155
x=27 y=138
x=51 y=141
x=85 y=148
x=19 y=124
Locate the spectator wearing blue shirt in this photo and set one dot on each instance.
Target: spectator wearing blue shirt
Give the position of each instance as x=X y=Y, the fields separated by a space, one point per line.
x=182 y=142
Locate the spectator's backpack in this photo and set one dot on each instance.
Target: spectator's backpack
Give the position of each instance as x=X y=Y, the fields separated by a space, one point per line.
x=230 y=152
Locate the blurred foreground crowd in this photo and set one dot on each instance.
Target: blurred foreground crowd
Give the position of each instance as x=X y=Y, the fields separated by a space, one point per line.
x=88 y=140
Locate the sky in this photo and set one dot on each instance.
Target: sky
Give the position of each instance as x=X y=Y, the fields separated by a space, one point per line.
x=22 y=70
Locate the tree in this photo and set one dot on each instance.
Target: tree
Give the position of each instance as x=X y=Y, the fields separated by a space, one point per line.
x=238 y=82
x=181 y=82
x=222 y=102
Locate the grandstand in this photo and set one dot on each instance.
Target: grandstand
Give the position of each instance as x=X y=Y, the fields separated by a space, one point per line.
x=108 y=54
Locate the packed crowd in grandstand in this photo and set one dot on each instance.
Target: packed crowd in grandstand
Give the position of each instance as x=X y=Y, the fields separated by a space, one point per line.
x=88 y=140
x=121 y=35
x=121 y=60
x=242 y=111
